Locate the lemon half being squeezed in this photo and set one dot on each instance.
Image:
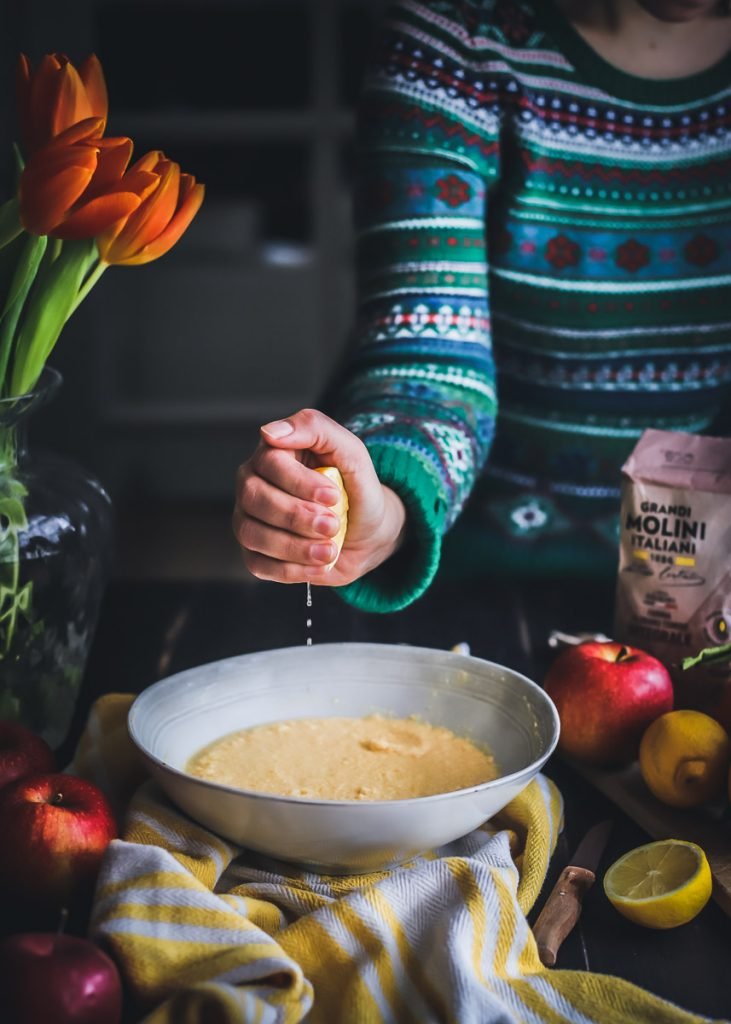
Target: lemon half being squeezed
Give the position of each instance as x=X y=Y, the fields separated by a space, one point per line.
x=340 y=509
x=661 y=884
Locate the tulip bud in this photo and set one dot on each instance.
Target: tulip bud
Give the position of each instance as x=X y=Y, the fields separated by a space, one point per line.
x=161 y=218
x=57 y=96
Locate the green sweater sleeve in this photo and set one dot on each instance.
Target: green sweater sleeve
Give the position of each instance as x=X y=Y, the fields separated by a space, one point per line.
x=408 y=573
x=418 y=387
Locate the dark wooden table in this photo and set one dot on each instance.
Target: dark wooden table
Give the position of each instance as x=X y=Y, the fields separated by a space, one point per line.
x=150 y=629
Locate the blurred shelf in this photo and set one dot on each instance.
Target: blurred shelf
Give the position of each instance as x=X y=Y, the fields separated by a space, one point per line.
x=227 y=126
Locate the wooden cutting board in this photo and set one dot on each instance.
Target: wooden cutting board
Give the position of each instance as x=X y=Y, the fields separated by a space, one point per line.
x=627 y=789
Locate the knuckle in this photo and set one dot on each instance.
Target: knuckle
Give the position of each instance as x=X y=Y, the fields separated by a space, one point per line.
x=310 y=418
x=360 y=450
x=247 y=533
x=294 y=520
x=259 y=460
x=291 y=573
x=250 y=491
x=292 y=550
x=277 y=462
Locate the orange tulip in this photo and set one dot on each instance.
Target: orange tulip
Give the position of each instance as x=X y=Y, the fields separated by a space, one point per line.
x=161 y=218
x=77 y=185
x=56 y=96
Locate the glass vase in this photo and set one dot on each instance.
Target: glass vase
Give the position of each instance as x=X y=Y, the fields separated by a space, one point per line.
x=56 y=532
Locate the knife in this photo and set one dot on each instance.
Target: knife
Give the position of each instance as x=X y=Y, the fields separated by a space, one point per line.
x=562 y=909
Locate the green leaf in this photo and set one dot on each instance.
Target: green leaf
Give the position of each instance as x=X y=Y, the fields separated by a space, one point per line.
x=10 y=226
x=24 y=596
x=9 y=257
x=25 y=274
x=708 y=654
x=50 y=304
x=26 y=269
x=14 y=511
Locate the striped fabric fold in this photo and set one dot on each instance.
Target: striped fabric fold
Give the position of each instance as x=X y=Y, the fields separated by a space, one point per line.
x=206 y=933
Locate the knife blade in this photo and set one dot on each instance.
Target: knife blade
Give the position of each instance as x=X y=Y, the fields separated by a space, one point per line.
x=562 y=909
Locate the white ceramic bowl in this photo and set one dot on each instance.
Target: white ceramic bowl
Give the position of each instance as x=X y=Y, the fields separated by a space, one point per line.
x=493 y=705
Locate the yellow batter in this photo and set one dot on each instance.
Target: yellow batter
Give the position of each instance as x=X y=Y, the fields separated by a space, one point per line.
x=372 y=758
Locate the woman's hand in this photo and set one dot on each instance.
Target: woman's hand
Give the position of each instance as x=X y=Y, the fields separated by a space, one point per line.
x=283 y=516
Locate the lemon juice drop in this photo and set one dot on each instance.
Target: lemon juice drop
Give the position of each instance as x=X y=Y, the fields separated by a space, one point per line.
x=309 y=620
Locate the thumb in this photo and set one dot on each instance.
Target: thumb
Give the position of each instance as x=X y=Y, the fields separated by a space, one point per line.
x=280 y=434
x=313 y=431
x=331 y=444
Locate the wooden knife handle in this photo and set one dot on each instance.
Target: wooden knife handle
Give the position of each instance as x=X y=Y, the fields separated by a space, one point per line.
x=561 y=911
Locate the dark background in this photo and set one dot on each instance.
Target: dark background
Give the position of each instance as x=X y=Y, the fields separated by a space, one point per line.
x=169 y=368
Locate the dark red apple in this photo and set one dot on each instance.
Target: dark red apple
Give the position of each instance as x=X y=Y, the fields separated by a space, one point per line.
x=22 y=753
x=606 y=694
x=57 y=979
x=55 y=829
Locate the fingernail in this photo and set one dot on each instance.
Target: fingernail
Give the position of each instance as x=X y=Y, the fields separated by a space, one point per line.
x=279 y=428
x=328 y=525
x=323 y=552
x=327 y=496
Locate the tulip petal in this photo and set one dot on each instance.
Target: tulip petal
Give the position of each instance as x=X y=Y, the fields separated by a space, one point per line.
x=114 y=155
x=95 y=217
x=154 y=214
x=52 y=181
x=70 y=101
x=142 y=183
x=43 y=167
x=57 y=95
x=51 y=159
x=92 y=76
x=175 y=229
x=43 y=89
x=149 y=162
x=87 y=130
x=44 y=203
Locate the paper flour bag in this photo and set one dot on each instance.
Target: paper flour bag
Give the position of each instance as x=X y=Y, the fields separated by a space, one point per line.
x=673 y=594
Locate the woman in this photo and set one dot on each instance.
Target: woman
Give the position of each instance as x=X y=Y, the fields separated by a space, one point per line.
x=544 y=191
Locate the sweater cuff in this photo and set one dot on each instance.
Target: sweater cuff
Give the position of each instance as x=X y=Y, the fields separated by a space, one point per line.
x=404 y=576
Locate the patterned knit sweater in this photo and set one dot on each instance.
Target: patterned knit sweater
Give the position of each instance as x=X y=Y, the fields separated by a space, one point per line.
x=544 y=270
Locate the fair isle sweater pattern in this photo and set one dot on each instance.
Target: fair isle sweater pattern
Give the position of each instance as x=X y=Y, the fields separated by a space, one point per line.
x=544 y=260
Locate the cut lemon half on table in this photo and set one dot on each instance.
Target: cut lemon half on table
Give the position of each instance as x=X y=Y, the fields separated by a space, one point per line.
x=661 y=884
x=340 y=509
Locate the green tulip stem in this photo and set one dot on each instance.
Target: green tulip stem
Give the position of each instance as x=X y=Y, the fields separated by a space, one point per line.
x=88 y=284
x=50 y=304
x=10 y=226
x=14 y=596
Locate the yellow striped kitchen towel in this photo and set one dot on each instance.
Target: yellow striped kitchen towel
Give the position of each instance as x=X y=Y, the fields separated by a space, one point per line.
x=205 y=933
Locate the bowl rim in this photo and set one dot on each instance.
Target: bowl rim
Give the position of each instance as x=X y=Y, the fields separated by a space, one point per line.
x=533 y=768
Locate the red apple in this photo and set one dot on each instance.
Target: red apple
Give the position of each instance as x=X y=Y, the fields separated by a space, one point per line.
x=22 y=753
x=606 y=694
x=55 y=829
x=57 y=979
